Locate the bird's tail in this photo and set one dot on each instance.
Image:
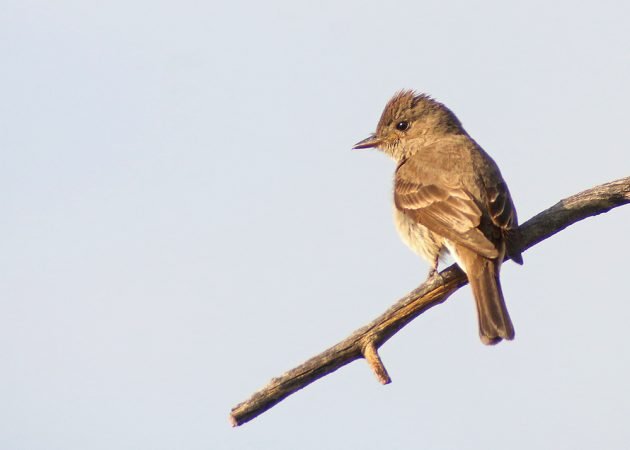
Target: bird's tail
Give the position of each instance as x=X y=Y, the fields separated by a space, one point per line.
x=494 y=320
x=483 y=275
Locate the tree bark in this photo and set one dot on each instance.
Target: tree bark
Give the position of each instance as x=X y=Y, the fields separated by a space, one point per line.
x=365 y=341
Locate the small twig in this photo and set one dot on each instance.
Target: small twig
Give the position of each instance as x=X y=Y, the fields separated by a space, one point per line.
x=364 y=342
x=370 y=353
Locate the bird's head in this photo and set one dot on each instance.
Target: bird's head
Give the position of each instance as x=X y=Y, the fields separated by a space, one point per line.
x=410 y=121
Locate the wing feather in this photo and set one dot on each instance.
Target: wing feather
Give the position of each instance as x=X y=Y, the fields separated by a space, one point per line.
x=451 y=213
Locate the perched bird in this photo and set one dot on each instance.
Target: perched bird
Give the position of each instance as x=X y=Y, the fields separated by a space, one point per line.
x=449 y=196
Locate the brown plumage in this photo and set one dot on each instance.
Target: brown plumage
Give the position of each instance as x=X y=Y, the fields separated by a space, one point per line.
x=449 y=196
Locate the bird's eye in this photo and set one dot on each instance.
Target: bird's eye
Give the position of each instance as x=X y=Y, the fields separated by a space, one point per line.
x=402 y=125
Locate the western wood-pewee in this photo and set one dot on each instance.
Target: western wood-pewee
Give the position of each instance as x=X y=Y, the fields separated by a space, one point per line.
x=449 y=196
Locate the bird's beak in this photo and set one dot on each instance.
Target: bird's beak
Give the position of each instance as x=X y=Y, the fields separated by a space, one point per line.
x=370 y=142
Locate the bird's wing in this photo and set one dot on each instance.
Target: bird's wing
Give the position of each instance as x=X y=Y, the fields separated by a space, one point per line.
x=500 y=206
x=447 y=210
x=503 y=215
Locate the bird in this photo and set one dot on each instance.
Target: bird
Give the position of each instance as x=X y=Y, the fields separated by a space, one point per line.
x=450 y=198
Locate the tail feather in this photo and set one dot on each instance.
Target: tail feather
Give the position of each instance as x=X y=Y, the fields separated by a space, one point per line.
x=483 y=275
x=494 y=321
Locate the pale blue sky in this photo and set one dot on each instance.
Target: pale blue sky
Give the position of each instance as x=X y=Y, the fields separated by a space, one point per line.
x=183 y=219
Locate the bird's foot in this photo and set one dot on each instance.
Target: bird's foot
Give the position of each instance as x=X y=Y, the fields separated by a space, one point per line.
x=433 y=273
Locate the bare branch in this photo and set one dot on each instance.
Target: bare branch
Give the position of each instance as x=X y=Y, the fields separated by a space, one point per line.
x=364 y=342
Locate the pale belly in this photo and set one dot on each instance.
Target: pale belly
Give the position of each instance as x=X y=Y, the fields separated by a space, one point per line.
x=419 y=238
